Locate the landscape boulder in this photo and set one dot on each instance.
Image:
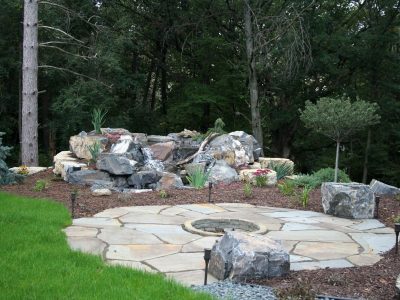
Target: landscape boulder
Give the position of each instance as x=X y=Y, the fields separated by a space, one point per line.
x=64 y=161
x=240 y=257
x=79 y=144
x=163 y=151
x=249 y=144
x=144 y=179
x=269 y=162
x=153 y=139
x=116 y=164
x=169 y=181
x=383 y=189
x=221 y=172
x=348 y=200
x=228 y=148
x=87 y=177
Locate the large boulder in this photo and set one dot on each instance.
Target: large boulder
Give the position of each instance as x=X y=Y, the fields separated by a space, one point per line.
x=144 y=179
x=79 y=144
x=228 y=148
x=249 y=144
x=348 y=200
x=153 y=139
x=383 y=189
x=270 y=162
x=128 y=146
x=64 y=161
x=249 y=175
x=221 y=172
x=169 y=181
x=87 y=177
x=238 y=256
x=116 y=164
x=163 y=151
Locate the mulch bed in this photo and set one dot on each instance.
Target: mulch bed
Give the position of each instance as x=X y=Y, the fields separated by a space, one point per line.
x=372 y=282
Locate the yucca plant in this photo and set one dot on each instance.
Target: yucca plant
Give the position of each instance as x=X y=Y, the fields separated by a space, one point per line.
x=95 y=150
x=197 y=177
x=98 y=118
x=282 y=169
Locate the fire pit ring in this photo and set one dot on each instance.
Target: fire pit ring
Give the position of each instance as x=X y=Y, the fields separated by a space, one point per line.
x=217 y=227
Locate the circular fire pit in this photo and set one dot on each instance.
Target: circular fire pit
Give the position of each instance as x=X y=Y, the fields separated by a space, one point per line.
x=217 y=227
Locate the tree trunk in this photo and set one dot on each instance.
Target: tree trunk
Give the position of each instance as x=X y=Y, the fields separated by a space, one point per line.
x=164 y=80
x=365 y=169
x=29 y=132
x=252 y=73
x=337 y=160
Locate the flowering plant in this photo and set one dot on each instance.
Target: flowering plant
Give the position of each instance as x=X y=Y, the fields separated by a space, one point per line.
x=261 y=177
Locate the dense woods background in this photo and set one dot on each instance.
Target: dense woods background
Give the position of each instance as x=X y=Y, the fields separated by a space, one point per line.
x=162 y=66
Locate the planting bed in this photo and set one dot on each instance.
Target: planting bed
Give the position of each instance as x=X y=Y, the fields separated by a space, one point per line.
x=372 y=282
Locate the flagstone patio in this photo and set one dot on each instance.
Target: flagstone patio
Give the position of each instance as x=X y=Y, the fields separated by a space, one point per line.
x=152 y=238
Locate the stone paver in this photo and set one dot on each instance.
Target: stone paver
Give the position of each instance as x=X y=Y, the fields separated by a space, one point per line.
x=151 y=238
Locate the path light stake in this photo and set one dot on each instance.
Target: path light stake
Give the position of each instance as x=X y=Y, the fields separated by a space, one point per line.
x=397 y=231
x=210 y=185
x=377 y=200
x=207 y=256
x=73 y=200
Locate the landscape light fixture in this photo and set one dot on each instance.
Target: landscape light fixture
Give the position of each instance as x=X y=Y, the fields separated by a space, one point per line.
x=397 y=231
x=73 y=200
x=207 y=257
x=377 y=200
x=210 y=185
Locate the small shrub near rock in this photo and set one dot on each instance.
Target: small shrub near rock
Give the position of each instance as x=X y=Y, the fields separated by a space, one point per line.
x=6 y=176
x=163 y=194
x=247 y=190
x=317 y=178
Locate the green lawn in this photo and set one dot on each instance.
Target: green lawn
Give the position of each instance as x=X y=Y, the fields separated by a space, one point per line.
x=36 y=262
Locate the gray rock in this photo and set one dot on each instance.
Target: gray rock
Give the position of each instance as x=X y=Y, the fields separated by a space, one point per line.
x=249 y=144
x=130 y=148
x=204 y=158
x=101 y=192
x=88 y=177
x=241 y=257
x=221 y=172
x=101 y=184
x=348 y=200
x=383 y=189
x=116 y=164
x=152 y=139
x=120 y=181
x=229 y=149
x=144 y=179
x=169 y=181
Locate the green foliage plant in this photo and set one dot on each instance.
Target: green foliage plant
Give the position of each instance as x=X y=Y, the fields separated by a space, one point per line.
x=304 y=196
x=6 y=176
x=282 y=169
x=339 y=118
x=40 y=185
x=287 y=188
x=163 y=194
x=95 y=150
x=98 y=118
x=260 y=177
x=397 y=219
x=315 y=179
x=197 y=178
x=247 y=190
x=218 y=127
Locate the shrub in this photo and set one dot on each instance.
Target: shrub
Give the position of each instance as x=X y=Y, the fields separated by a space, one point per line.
x=281 y=169
x=218 y=127
x=197 y=177
x=247 y=190
x=317 y=178
x=23 y=170
x=6 y=176
x=397 y=219
x=163 y=194
x=287 y=188
x=40 y=185
x=98 y=118
x=261 y=177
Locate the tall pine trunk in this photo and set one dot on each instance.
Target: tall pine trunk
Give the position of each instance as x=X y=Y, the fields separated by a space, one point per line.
x=29 y=130
x=252 y=74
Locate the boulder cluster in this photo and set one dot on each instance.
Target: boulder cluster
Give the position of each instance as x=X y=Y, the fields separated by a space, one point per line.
x=134 y=162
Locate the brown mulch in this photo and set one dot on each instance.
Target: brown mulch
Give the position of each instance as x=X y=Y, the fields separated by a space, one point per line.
x=371 y=282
